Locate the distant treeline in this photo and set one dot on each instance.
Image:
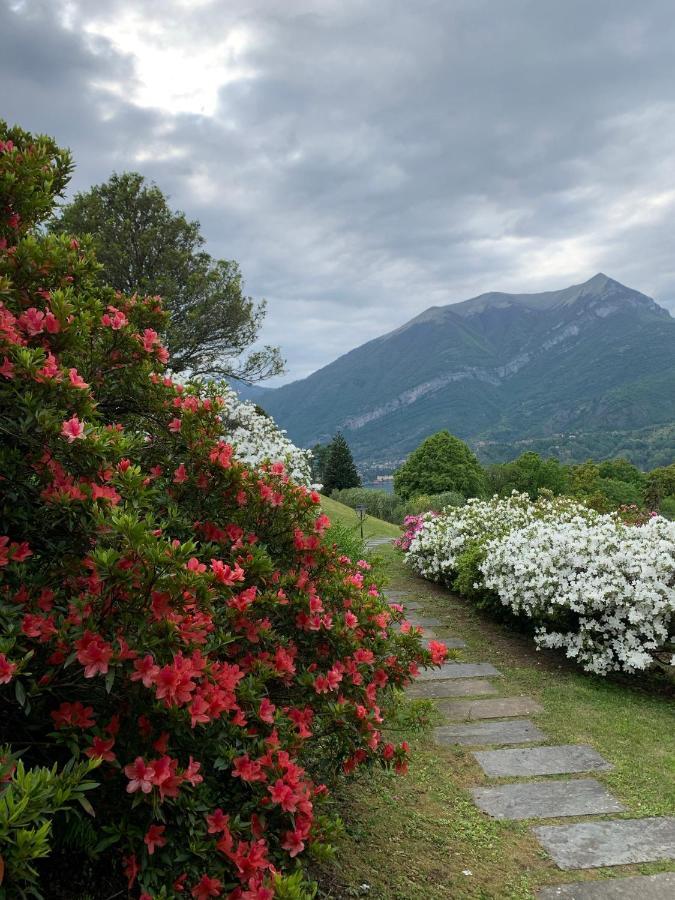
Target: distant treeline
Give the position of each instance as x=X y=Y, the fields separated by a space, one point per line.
x=443 y=471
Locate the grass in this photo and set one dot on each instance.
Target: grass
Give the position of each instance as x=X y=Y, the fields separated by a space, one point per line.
x=344 y=515
x=421 y=838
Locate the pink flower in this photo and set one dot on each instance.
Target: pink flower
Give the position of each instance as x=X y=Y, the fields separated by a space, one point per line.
x=7 y=368
x=266 y=711
x=72 y=429
x=180 y=476
x=140 y=776
x=293 y=842
x=174 y=425
x=76 y=379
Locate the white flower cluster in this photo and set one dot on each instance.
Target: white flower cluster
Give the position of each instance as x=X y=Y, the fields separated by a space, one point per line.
x=602 y=591
x=434 y=549
x=256 y=439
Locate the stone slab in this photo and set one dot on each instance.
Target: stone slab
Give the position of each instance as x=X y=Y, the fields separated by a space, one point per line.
x=428 y=690
x=513 y=731
x=639 y=887
x=451 y=643
x=561 y=760
x=499 y=708
x=457 y=670
x=546 y=799
x=590 y=845
x=424 y=621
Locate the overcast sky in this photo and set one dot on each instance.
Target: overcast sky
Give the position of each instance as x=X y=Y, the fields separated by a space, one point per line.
x=366 y=159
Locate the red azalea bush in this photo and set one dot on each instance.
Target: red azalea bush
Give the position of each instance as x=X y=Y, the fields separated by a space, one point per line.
x=168 y=617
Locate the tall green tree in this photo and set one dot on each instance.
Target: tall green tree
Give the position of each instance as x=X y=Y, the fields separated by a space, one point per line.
x=146 y=247
x=529 y=473
x=319 y=457
x=441 y=463
x=339 y=470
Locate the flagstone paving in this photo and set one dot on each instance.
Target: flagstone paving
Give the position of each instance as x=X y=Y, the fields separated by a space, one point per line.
x=451 y=643
x=590 y=845
x=546 y=799
x=429 y=690
x=423 y=621
x=458 y=670
x=582 y=845
x=499 y=708
x=640 y=887
x=513 y=731
x=562 y=760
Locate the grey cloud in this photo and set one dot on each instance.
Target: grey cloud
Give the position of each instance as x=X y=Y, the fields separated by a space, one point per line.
x=383 y=157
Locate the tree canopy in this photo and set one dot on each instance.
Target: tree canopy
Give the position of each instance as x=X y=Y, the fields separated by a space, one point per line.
x=529 y=474
x=144 y=246
x=441 y=463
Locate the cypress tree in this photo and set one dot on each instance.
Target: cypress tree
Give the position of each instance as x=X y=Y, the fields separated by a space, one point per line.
x=339 y=470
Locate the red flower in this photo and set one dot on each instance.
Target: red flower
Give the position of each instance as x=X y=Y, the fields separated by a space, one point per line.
x=94 y=654
x=266 y=711
x=154 y=837
x=100 y=747
x=247 y=769
x=217 y=821
x=439 y=652
x=7 y=669
x=74 y=715
x=207 y=887
x=146 y=671
x=131 y=868
x=175 y=425
x=293 y=842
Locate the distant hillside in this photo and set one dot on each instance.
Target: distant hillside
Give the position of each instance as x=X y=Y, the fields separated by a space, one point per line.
x=503 y=371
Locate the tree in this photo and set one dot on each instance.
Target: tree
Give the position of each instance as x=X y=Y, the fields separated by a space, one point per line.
x=529 y=473
x=339 y=470
x=660 y=485
x=146 y=247
x=319 y=458
x=441 y=463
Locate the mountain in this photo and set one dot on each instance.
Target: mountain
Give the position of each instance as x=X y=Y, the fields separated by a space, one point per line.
x=503 y=371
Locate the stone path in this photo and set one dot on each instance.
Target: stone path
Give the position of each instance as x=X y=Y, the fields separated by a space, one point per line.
x=371 y=543
x=591 y=843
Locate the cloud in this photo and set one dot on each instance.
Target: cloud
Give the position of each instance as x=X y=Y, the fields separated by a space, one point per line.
x=366 y=160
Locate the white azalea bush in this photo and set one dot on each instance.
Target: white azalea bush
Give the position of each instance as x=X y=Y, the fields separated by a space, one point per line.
x=601 y=590
x=256 y=439
x=437 y=548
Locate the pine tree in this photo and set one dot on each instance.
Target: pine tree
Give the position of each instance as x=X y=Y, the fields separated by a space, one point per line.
x=339 y=470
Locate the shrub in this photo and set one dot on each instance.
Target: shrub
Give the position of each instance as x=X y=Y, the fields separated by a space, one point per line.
x=166 y=610
x=441 y=463
x=602 y=589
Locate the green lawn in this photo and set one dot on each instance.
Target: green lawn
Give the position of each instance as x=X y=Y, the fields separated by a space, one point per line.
x=420 y=837
x=372 y=527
